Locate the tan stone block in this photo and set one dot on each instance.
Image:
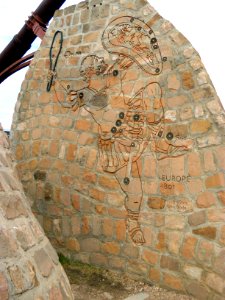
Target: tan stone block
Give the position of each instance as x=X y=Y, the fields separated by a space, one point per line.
x=220 y=155
x=156 y=203
x=193 y=272
x=194 y=164
x=174 y=242
x=209 y=163
x=44 y=263
x=206 y=199
x=215 y=282
x=197 y=218
x=134 y=266
x=117 y=263
x=197 y=290
x=173 y=82
x=179 y=38
x=13 y=207
x=161 y=243
x=187 y=80
x=215 y=181
x=107 y=227
x=70 y=135
x=221 y=197
x=222 y=235
x=148 y=234
x=200 y=126
x=177 y=101
x=17 y=278
x=168 y=262
x=91 y=37
x=115 y=198
x=97 y=194
x=216 y=215
x=159 y=220
x=36 y=133
x=92 y=158
x=154 y=275
x=99 y=259
x=19 y=153
x=3 y=287
x=100 y=209
x=195 y=186
x=73 y=245
x=207 y=232
x=219 y=263
x=84 y=125
x=186 y=113
x=108 y=182
x=86 y=139
x=111 y=248
x=175 y=222
x=150 y=256
x=172 y=188
x=188 y=248
x=90 y=245
x=120 y=230
x=75 y=225
x=67 y=180
x=71 y=152
x=173 y=281
x=117 y=213
x=86 y=225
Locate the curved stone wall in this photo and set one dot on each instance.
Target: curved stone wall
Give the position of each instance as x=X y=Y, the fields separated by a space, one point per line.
x=29 y=266
x=119 y=139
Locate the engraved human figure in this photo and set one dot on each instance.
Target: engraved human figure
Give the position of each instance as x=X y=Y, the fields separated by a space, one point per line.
x=129 y=112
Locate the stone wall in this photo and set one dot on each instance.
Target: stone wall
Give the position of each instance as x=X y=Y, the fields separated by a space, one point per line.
x=123 y=155
x=29 y=266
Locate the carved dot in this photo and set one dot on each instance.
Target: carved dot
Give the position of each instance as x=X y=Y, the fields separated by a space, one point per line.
x=153 y=40
x=157 y=70
x=121 y=115
x=151 y=31
x=68 y=87
x=155 y=46
x=115 y=72
x=139 y=28
x=81 y=95
x=164 y=58
x=113 y=130
x=169 y=136
x=132 y=144
x=136 y=117
x=126 y=180
x=118 y=123
x=132 y=20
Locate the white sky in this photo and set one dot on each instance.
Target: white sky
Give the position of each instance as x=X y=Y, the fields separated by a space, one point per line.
x=202 y=22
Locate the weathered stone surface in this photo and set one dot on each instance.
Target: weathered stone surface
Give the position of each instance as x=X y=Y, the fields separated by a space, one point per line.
x=12 y=206
x=8 y=244
x=43 y=262
x=197 y=290
x=197 y=218
x=207 y=232
x=156 y=203
x=3 y=287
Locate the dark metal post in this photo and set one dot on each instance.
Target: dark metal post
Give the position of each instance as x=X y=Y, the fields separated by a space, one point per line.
x=22 y=41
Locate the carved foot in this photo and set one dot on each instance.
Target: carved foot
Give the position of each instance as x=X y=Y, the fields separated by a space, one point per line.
x=135 y=231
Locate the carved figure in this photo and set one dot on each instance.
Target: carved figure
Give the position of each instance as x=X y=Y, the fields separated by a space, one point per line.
x=129 y=112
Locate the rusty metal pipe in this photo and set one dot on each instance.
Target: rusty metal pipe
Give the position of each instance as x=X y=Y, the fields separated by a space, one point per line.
x=23 y=40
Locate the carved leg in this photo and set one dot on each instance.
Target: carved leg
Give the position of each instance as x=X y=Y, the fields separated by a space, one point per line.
x=133 y=189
